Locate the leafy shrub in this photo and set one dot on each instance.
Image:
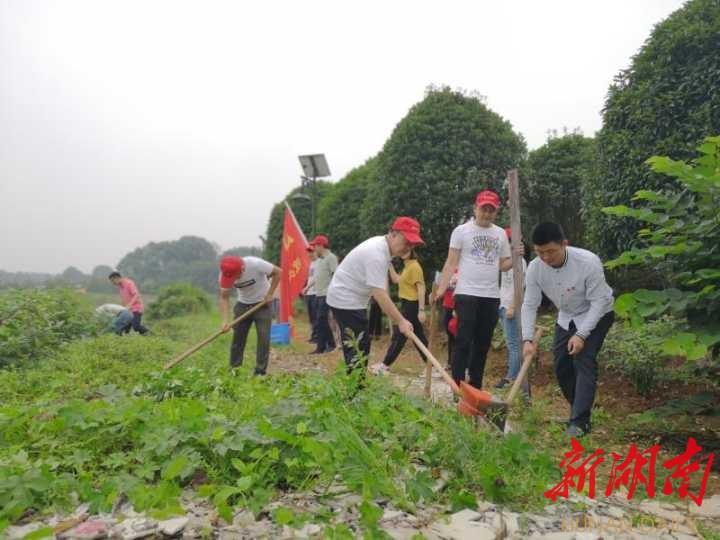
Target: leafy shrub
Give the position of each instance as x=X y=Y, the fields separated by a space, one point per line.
x=638 y=351
x=34 y=323
x=179 y=299
x=681 y=238
x=664 y=104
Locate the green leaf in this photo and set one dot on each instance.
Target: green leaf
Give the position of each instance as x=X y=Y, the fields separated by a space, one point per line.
x=45 y=532
x=370 y=514
x=175 y=467
x=283 y=516
x=462 y=499
x=624 y=304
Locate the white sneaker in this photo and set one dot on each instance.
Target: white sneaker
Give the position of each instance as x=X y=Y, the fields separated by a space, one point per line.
x=379 y=369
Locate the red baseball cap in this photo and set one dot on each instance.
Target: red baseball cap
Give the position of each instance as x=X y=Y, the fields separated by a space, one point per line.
x=488 y=197
x=409 y=228
x=230 y=269
x=320 y=240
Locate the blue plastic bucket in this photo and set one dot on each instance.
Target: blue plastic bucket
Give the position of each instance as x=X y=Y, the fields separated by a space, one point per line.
x=280 y=333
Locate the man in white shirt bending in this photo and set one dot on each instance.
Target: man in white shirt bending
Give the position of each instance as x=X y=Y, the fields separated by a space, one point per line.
x=574 y=280
x=362 y=274
x=480 y=250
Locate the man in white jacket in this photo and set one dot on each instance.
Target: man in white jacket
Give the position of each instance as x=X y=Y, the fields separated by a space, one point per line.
x=574 y=280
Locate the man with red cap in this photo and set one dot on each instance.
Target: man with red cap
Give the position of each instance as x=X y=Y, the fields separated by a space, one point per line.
x=255 y=281
x=324 y=270
x=362 y=274
x=480 y=250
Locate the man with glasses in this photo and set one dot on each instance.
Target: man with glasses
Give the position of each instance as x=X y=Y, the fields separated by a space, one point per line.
x=574 y=280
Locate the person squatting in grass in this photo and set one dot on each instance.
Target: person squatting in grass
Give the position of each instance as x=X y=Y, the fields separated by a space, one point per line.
x=324 y=270
x=255 y=281
x=309 y=293
x=574 y=280
x=480 y=250
x=362 y=274
x=411 y=290
x=131 y=299
x=509 y=320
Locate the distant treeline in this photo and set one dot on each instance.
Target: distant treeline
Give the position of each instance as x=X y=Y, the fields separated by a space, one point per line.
x=191 y=259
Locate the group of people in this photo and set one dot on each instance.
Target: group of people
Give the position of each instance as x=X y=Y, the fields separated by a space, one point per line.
x=475 y=288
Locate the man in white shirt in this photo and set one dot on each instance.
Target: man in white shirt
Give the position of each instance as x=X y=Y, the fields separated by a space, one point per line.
x=362 y=274
x=574 y=280
x=324 y=270
x=480 y=250
x=251 y=277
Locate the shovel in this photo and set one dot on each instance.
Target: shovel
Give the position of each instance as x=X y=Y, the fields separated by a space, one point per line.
x=207 y=340
x=500 y=418
x=473 y=402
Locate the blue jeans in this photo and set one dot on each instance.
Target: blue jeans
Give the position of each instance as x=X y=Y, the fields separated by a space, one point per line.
x=512 y=339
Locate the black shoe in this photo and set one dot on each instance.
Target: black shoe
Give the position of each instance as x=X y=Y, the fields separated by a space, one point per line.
x=317 y=351
x=331 y=349
x=574 y=430
x=503 y=383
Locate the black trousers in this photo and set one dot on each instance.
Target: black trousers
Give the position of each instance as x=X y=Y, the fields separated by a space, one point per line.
x=375 y=325
x=325 y=339
x=477 y=318
x=577 y=375
x=353 y=325
x=263 y=320
x=312 y=315
x=137 y=324
x=450 y=337
x=409 y=310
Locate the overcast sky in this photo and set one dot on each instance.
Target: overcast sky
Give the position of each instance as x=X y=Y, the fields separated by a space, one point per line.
x=128 y=122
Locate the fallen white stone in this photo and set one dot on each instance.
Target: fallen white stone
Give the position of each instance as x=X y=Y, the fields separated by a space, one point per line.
x=90 y=530
x=465 y=525
x=132 y=529
x=710 y=508
x=389 y=515
x=173 y=527
x=21 y=531
x=654 y=508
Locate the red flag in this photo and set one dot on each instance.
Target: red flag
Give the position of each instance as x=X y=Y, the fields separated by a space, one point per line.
x=294 y=262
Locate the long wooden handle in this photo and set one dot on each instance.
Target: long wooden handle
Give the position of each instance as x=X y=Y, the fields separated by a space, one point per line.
x=524 y=369
x=431 y=342
x=207 y=340
x=438 y=366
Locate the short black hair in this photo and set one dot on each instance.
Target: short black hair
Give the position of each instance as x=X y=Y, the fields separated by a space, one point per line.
x=547 y=232
x=114 y=274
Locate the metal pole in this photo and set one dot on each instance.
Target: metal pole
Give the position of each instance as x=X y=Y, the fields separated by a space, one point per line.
x=312 y=206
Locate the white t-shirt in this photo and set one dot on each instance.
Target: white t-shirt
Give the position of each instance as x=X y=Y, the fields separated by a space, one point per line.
x=311 y=274
x=253 y=284
x=364 y=268
x=507 y=287
x=481 y=249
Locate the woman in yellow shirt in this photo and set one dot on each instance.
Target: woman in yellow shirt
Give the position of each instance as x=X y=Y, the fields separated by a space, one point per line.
x=411 y=285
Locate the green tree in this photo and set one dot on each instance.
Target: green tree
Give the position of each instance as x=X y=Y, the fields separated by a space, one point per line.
x=551 y=184
x=664 y=104
x=338 y=213
x=448 y=147
x=99 y=282
x=190 y=258
x=302 y=210
x=243 y=251
x=680 y=236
